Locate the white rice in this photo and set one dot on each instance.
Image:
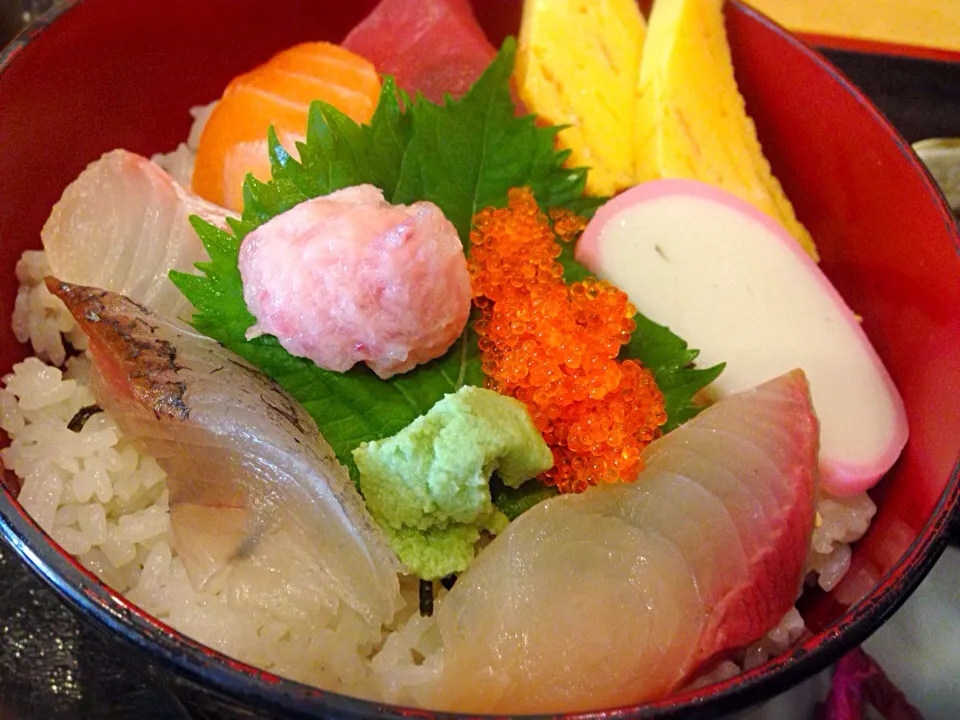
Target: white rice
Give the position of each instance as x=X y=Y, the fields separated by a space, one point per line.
x=39 y=317
x=179 y=163
x=107 y=504
x=841 y=521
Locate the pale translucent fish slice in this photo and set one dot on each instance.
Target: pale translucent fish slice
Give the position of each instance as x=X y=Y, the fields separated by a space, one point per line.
x=684 y=512
x=740 y=450
x=743 y=502
x=122 y=225
x=231 y=438
x=207 y=538
x=542 y=626
x=622 y=594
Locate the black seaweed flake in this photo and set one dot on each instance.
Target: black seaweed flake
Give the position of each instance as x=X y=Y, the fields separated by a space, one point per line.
x=82 y=415
x=426 y=598
x=448 y=581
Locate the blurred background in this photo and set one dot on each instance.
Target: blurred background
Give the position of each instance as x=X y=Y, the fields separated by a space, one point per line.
x=922 y=23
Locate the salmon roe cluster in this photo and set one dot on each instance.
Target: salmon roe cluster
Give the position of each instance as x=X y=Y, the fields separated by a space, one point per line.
x=554 y=346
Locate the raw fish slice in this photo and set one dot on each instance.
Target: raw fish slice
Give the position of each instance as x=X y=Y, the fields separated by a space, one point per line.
x=790 y=453
x=765 y=430
x=300 y=90
x=304 y=60
x=755 y=441
x=707 y=439
x=744 y=506
x=552 y=618
x=623 y=593
x=435 y=47
x=684 y=512
x=277 y=94
x=231 y=439
x=122 y=225
x=727 y=466
x=207 y=537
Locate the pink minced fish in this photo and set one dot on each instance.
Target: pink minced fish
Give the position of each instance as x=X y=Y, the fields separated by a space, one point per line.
x=624 y=593
x=244 y=460
x=349 y=278
x=122 y=225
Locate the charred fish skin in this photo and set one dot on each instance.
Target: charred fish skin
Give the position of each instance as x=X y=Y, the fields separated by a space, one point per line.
x=229 y=437
x=149 y=361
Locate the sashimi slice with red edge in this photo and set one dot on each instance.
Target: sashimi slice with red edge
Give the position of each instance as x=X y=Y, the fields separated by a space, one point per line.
x=627 y=592
x=433 y=47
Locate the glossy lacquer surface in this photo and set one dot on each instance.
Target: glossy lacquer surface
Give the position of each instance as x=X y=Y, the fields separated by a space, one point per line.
x=104 y=75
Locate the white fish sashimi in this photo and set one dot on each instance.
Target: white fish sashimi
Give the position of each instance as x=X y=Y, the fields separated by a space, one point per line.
x=246 y=466
x=623 y=593
x=122 y=225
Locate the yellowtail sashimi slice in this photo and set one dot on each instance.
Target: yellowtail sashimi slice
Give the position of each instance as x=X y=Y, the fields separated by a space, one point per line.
x=247 y=468
x=122 y=225
x=624 y=593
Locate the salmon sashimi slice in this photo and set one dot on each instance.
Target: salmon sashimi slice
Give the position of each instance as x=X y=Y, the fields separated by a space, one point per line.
x=624 y=593
x=297 y=90
x=247 y=467
x=435 y=47
x=122 y=225
x=335 y=62
x=277 y=93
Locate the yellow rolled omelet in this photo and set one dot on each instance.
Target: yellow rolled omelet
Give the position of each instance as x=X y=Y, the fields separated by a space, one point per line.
x=577 y=64
x=691 y=121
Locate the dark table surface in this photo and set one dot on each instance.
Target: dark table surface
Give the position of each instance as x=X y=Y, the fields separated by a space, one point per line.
x=53 y=667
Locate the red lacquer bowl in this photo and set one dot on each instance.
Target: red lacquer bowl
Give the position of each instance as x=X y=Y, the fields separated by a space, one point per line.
x=111 y=73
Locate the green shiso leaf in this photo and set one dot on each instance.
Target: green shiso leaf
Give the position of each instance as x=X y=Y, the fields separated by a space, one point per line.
x=463 y=156
x=672 y=363
x=466 y=155
x=513 y=502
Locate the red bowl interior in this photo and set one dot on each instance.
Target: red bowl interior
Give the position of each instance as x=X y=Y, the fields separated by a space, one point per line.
x=111 y=74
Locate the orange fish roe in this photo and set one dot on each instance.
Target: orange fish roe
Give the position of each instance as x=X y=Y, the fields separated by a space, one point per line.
x=554 y=346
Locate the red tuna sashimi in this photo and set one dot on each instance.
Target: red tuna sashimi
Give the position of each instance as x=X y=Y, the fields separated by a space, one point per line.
x=624 y=593
x=431 y=46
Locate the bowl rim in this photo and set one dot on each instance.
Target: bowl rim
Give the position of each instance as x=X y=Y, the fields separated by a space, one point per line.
x=33 y=28
x=96 y=603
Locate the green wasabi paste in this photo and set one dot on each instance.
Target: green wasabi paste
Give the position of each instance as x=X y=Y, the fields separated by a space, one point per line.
x=429 y=485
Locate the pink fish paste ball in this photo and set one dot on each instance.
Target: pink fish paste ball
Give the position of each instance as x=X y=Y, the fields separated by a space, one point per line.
x=350 y=278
